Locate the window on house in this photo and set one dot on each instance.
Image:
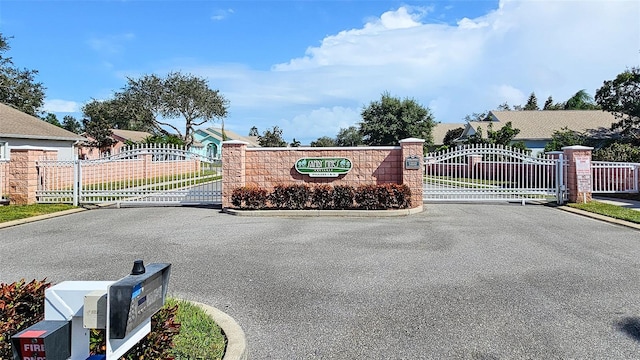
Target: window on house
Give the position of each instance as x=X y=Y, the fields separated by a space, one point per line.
x=4 y=151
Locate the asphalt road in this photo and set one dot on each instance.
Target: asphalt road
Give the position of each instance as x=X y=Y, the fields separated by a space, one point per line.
x=458 y=281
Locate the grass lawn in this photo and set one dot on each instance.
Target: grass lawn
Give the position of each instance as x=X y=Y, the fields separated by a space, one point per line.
x=614 y=211
x=16 y=212
x=200 y=337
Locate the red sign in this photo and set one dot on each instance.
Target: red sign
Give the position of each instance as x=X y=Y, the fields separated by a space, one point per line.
x=32 y=348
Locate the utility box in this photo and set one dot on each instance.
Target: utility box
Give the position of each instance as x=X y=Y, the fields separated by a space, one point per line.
x=46 y=340
x=94 y=313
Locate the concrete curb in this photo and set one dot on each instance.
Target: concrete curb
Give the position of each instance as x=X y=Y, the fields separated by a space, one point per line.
x=39 y=217
x=237 y=348
x=321 y=213
x=600 y=217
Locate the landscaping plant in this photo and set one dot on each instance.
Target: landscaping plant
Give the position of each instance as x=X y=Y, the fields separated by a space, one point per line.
x=21 y=305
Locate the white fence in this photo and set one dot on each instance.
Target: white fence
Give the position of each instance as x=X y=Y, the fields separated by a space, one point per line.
x=614 y=177
x=149 y=174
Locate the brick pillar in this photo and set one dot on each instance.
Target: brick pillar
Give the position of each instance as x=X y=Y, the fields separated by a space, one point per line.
x=23 y=176
x=233 y=168
x=578 y=172
x=411 y=177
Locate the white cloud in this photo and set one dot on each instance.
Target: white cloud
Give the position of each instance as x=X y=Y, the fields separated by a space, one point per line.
x=110 y=44
x=221 y=14
x=319 y=122
x=58 y=105
x=548 y=47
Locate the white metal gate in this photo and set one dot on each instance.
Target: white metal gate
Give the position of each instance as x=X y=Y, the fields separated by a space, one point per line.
x=146 y=174
x=487 y=173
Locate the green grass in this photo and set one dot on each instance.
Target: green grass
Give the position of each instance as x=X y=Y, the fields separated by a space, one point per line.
x=166 y=182
x=449 y=180
x=614 y=211
x=200 y=337
x=16 y=212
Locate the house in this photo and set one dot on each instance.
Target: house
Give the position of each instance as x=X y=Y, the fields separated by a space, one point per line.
x=440 y=130
x=19 y=130
x=120 y=139
x=208 y=142
x=537 y=127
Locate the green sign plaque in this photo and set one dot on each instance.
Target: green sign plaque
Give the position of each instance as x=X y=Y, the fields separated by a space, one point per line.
x=323 y=166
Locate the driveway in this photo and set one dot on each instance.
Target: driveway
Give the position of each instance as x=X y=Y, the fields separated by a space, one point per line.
x=455 y=282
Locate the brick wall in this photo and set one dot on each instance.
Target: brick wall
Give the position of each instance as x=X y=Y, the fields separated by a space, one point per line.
x=267 y=167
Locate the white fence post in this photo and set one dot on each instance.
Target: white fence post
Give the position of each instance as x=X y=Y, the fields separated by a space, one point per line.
x=76 y=181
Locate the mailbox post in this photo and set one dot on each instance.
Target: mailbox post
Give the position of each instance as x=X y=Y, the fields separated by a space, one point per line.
x=131 y=302
x=72 y=308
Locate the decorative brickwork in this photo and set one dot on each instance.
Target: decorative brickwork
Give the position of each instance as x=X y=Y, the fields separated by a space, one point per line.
x=23 y=176
x=268 y=167
x=578 y=177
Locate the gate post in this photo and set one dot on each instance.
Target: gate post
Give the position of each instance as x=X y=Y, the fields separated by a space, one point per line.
x=23 y=175
x=579 y=175
x=77 y=181
x=233 y=168
x=413 y=177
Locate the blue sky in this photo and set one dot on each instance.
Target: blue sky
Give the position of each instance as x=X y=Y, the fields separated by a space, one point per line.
x=310 y=67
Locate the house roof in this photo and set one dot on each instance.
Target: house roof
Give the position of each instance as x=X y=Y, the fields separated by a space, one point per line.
x=16 y=124
x=135 y=136
x=217 y=133
x=440 y=131
x=540 y=125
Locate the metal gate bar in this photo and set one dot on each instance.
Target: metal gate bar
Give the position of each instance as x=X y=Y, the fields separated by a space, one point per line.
x=142 y=174
x=488 y=172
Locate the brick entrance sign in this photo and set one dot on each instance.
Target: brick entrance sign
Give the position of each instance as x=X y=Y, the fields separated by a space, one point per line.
x=268 y=167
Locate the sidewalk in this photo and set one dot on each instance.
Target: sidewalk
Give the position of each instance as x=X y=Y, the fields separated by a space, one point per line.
x=630 y=204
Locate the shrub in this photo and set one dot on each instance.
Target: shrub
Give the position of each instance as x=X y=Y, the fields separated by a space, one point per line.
x=342 y=196
x=618 y=152
x=290 y=196
x=366 y=196
x=297 y=196
x=155 y=345
x=21 y=305
x=278 y=197
x=400 y=196
x=321 y=197
x=249 y=197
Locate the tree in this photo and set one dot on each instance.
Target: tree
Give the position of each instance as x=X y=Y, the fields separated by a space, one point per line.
x=550 y=105
x=565 y=137
x=175 y=96
x=120 y=113
x=504 y=107
x=532 y=103
x=621 y=97
x=483 y=116
x=390 y=120
x=294 y=143
x=18 y=87
x=580 y=101
x=504 y=136
x=70 y=123
x=272 y=138
x=52 y=119
x=324 y=141
x=350 y=136
x=451 y=135
x=253 y=131
x=163 y=139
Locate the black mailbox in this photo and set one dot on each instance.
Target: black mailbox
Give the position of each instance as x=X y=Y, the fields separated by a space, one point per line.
x=135 y=298
x=46 y=340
